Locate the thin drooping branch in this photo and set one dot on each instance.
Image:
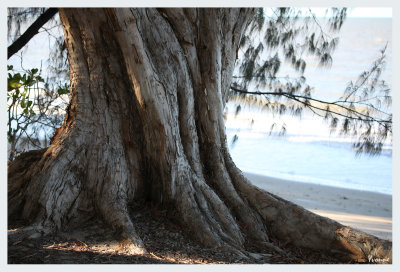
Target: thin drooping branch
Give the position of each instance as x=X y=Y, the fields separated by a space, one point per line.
x=31 y=32
x=319 y=25
x=359 y=116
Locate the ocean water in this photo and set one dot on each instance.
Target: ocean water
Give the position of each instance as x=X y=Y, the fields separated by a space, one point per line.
x=308 y=152
x=311 y=159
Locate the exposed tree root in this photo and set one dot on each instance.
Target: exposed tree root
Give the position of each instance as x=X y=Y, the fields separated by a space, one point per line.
x=120 y=219
x=28 y=232
x=205 y=213
x=295 y=225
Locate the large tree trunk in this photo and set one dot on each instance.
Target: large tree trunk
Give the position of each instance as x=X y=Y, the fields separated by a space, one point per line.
x=145 y=122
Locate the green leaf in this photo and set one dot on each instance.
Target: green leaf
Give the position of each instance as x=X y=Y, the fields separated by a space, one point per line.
x=15 y=84
x=34 y=71
x=10 y=67
x=23 y=105
x=63 y=90
x=29 y=104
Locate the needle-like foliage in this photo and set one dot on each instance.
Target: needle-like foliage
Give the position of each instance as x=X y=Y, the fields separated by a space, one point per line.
x=287 y=35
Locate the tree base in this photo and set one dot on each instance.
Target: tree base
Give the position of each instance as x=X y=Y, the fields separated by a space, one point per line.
x=166 y=242
x=293 y=231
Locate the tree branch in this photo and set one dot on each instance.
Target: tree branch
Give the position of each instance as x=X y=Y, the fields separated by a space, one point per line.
x=359 y=116
x=31 y=31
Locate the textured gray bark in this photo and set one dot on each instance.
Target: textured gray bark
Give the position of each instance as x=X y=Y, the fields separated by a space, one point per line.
x=148 y=88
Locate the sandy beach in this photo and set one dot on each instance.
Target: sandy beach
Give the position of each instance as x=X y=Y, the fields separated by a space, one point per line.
x=367 y=211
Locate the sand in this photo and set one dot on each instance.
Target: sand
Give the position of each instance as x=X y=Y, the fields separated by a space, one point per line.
x=367 y=211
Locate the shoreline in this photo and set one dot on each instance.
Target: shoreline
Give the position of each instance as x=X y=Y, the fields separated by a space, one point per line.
x=317 y=182
x=367 y=211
